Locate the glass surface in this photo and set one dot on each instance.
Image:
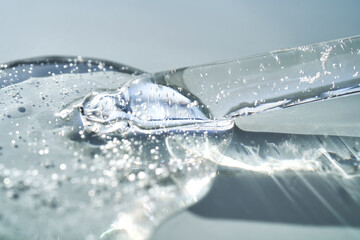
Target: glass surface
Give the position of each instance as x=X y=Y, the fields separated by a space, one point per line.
x=107 y=151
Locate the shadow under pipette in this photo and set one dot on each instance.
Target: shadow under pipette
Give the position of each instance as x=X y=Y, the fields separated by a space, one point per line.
x=294 y=197
x=258 y=197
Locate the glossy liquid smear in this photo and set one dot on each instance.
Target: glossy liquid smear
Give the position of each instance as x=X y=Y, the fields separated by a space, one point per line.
x=92 y=163
x=107 y=154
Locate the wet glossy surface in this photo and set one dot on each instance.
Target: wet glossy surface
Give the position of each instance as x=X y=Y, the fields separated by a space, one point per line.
x=105 y=145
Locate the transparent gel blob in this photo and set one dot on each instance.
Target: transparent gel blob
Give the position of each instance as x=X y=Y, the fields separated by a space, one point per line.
x=91 y=149
x=101 y=155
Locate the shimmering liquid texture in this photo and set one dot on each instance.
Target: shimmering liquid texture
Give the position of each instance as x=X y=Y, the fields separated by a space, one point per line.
x=91 y=150
x=101 y=156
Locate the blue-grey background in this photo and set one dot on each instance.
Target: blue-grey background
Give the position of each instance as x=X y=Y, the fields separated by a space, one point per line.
x=161 y=35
